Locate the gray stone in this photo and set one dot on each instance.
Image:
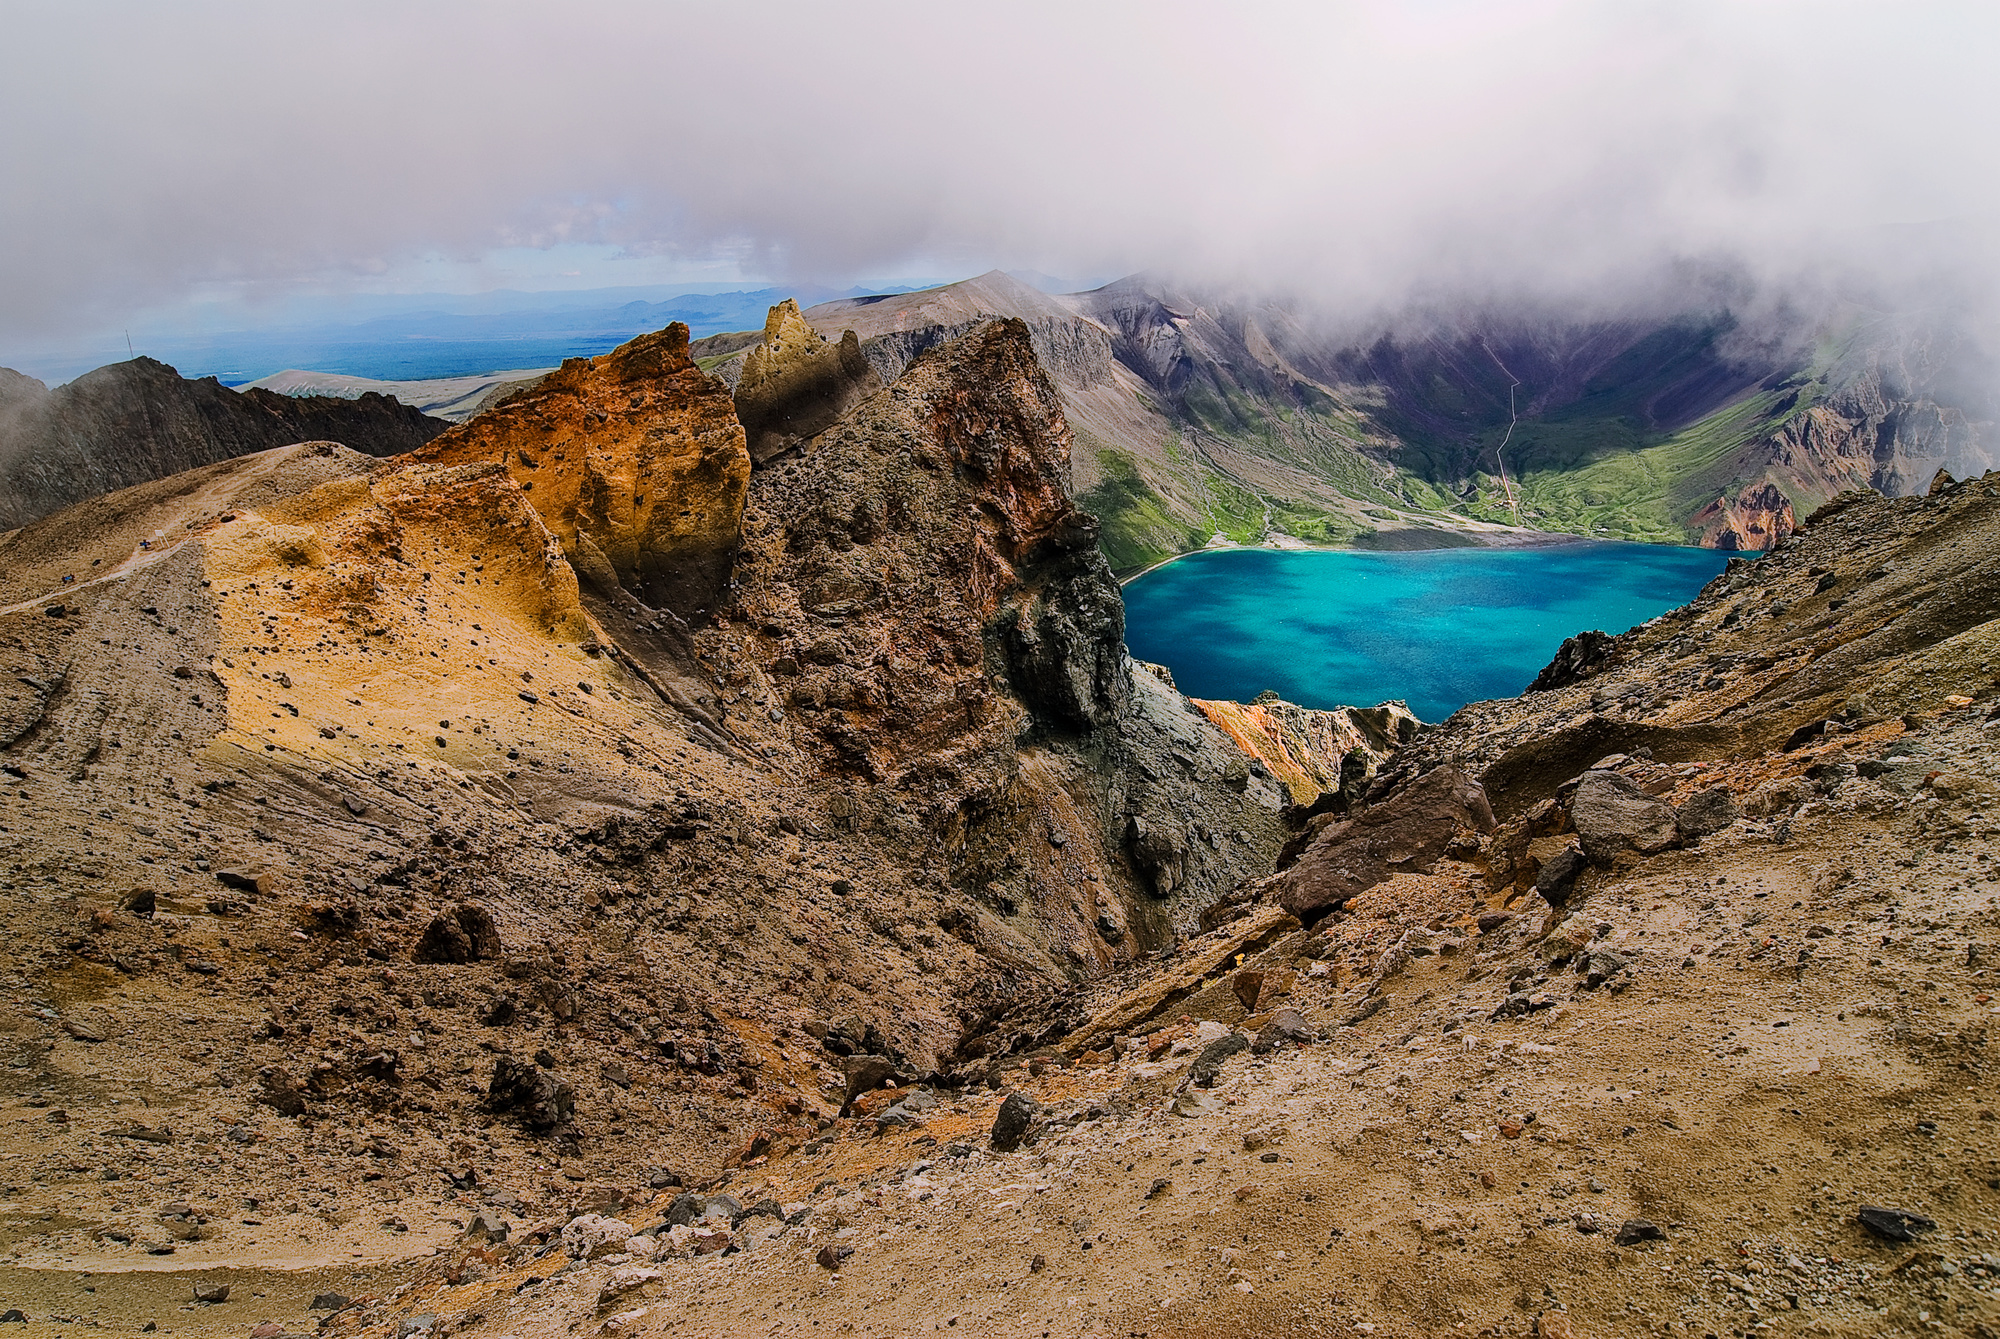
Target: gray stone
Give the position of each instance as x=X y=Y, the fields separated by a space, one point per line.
x=539 y=1098
x=486 y=1226
x=1209 y=1063
x=1285 y=1025
x=1613 y=815
x=1708 y=811
x=1635 y=1230
x=686 y=1209
x=1406 y=833
x=1557 y=878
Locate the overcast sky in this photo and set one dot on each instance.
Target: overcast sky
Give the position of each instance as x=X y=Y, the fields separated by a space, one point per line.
x=152 y=153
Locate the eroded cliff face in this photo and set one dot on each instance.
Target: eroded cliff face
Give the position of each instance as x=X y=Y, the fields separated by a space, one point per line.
x=634 y=459
x=1314 y=752
x=1756 y=518
x=921 y=591
x=426 y=785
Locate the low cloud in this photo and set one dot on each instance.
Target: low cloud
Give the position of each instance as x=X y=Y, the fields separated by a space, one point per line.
x=1547 y=153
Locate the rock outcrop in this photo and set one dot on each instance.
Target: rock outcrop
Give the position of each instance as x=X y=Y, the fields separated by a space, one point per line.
x=634 y=460
x=927 y=600
x=1314 y=752
x=133 y=422
x=1405 y=833
x=1756 y=517
x=794 y=384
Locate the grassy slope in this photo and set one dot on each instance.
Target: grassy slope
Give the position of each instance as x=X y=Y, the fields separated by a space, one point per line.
x=1593 y=467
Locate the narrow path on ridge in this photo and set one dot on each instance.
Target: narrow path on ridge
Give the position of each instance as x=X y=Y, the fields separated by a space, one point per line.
x=1513 y=418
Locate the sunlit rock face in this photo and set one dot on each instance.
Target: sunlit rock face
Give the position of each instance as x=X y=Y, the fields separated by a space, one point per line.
x=634 y=459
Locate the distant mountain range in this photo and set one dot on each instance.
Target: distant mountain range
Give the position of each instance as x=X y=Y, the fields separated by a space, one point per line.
x=425 y=337
x=1195 y=415
x=133 y=422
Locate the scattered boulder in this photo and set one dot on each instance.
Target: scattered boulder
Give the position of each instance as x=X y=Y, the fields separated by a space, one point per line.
x=487 y=1226
x=1779 y=796
x=687 y=1209
x=1160 y=851
x=211 y=1294
x=540 y=1099
x=245 y=880
x=1600 y=965
x=592 y=1236
x=1893 y=1224
x=1636 y=1230
x=1556 y=879
x=1285 y=1025
x=1408 y=832
x=1209 y=1063
x=1708 y=811
x=1612 y=814
x=1014 y=1121
x=465 y=933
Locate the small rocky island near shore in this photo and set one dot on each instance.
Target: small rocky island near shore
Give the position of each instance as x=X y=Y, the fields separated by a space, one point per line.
x=686 y=854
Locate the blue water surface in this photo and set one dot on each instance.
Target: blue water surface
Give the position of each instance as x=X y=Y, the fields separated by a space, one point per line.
x=1437 y=628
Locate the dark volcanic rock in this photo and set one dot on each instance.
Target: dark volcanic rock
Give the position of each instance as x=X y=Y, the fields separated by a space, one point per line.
x=1405 y=833
x=1613 y=814
x=130 y=423
x=1576 y=659
x=1015 y=1118
x=1708 y=811
x=466 y=933
x=1557 y=876
x=1208 y=1064
x=540 y=1099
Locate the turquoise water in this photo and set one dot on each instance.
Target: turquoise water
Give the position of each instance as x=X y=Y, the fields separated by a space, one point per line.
x=1437 y=628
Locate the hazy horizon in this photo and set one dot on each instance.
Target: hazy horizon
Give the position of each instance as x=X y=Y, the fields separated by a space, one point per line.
x=1590 y=158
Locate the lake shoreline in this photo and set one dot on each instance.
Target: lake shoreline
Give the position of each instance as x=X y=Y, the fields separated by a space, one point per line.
x=1480 y=539
x=1435 y=628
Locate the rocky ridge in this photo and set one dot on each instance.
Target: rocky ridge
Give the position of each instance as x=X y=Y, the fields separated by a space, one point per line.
x=882 y=948
x=475 y=824
x=133 y=422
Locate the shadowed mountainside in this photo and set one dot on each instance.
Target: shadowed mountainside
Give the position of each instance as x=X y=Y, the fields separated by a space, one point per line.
x=1196 y=415
x=133 y=422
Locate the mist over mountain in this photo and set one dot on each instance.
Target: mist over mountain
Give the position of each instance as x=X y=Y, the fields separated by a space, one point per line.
x=1449 y=157
x=1202 y=413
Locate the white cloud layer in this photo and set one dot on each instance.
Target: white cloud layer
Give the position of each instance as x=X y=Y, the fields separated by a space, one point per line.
x=1360 y=153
